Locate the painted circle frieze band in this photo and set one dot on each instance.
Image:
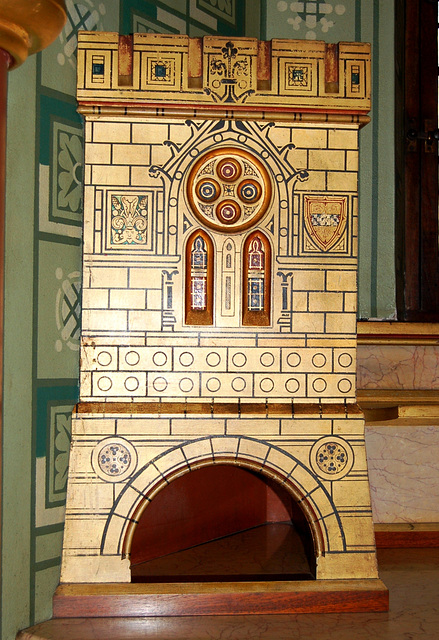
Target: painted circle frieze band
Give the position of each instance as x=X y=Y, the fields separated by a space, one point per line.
x=229 y=189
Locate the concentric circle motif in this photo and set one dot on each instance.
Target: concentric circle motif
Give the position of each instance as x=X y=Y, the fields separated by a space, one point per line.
x=229 y=169
x=249 y=191
x=114 y=459
x=229 y=189
x=228 y=212
x=331 y=457
x=208 y=190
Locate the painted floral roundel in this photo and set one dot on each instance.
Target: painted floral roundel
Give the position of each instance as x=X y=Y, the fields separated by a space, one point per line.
x=229 y=189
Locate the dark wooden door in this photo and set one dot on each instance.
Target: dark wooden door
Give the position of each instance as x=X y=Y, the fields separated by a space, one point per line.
x=417 y=258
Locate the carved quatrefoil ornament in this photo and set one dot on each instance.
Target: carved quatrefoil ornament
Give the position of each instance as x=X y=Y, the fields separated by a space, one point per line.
x=229 y=189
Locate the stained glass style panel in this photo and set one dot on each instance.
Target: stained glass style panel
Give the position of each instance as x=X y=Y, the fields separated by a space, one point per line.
x=255 y=293
x=198 y=271
x=198 y=293
x=256 y=276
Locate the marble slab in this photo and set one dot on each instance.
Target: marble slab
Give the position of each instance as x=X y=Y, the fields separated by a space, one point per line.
x=403 y=473
x=398 y=367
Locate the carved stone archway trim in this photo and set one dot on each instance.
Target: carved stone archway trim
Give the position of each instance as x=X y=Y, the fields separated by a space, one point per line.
x=256 y=455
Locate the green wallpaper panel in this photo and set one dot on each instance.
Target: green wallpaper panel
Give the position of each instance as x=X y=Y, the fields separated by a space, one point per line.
x=43 y=236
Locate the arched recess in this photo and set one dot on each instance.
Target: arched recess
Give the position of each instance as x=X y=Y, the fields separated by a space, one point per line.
x=308 y=492
x=256 y=280
x=199 y=279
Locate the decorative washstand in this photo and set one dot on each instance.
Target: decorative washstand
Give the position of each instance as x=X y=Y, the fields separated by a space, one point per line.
x=219 y=309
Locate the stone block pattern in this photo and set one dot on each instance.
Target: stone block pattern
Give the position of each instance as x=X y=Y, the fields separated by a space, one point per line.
x=138 y=218
x=220 y=281
x=113 y=473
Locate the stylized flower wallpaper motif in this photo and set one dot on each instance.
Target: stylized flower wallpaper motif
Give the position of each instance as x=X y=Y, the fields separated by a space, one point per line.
x=311 y=16
x=69 y=171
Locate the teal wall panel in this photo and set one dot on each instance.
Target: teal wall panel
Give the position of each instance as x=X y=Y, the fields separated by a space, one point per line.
x=366 y=21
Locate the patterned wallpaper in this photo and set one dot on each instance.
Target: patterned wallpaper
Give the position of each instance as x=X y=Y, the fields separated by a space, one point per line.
x=43 y=257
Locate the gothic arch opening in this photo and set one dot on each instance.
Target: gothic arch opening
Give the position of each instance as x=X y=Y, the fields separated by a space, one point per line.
x=219 y=522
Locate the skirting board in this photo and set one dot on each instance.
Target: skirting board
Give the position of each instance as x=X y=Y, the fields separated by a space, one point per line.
x=219 y=598
x=400 y=535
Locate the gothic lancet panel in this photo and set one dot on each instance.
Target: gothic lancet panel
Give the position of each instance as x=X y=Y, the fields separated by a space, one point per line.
x=199 y=279
x=256 y=284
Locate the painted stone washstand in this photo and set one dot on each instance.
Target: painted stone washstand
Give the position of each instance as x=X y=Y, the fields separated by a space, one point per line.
x=219 y=308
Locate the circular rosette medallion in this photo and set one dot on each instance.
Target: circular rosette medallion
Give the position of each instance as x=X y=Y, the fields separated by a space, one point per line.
x=114 y=459
x=331 y=458
x=228 y=212
x=229 y=189
x=208 y=190
x=229 y=169
x=249 y=191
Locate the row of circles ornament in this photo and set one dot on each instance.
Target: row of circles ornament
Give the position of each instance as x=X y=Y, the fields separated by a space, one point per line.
x=229 y=189
x=214 y=359
x=238 y=384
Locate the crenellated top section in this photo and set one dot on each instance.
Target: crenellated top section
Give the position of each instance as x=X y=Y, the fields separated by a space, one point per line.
x=217 y=73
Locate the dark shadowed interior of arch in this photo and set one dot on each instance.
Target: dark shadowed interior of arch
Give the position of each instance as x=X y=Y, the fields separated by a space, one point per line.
x=222 y=522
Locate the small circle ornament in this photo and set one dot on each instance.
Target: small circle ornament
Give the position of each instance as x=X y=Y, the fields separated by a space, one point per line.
x=250 y=191
x=208 y=190
x=228 y=212
x=229 y=169
x=229 y=189
x=114 y=459
x=331 y=458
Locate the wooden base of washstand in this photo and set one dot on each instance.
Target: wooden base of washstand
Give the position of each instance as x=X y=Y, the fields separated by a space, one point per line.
x=219 y=598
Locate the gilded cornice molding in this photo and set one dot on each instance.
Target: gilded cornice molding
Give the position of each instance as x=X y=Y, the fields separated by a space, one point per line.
x=216 y=76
